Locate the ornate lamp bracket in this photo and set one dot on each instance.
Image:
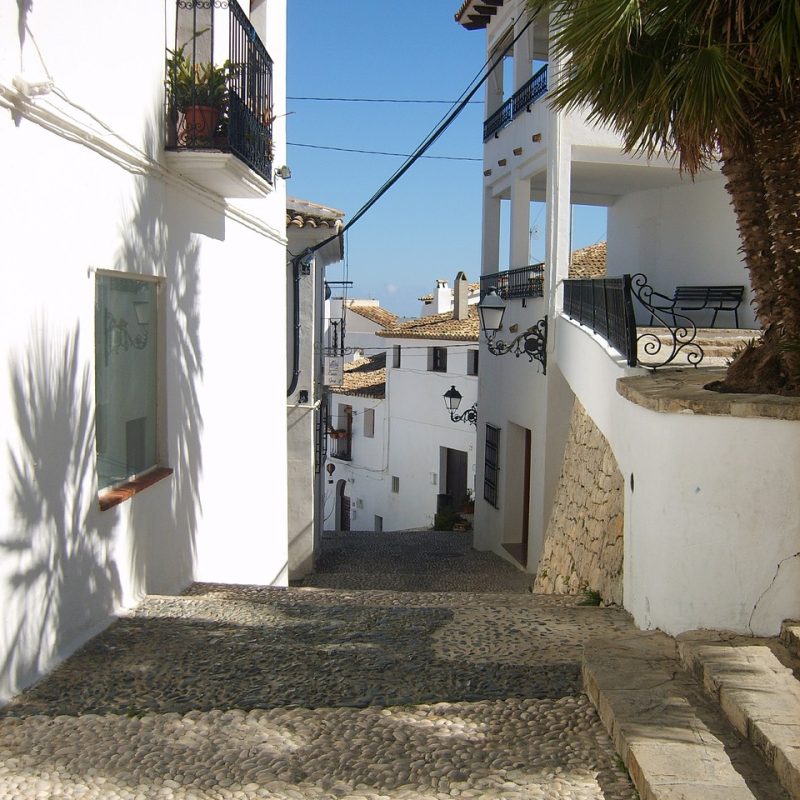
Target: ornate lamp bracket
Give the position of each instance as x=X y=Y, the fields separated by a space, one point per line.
x=532 y=343
x=470 y=416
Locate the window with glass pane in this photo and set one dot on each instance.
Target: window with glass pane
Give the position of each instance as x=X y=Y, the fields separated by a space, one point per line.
x=125 y=377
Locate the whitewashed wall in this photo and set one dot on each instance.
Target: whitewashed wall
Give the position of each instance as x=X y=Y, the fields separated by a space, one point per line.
x=107 y=202
x=677 y=236
x=713 y=510
x=420 y=425
x=366 y=473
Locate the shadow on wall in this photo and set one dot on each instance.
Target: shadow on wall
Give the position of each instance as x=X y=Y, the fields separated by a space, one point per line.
x=67 y=570
x=65 y=579
x=163 y=559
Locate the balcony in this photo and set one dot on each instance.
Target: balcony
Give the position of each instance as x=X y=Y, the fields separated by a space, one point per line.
x=520 y=101
x=521 y=282
x=219 y=116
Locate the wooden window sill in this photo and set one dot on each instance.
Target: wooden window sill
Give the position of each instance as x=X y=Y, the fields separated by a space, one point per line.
x=119 y=494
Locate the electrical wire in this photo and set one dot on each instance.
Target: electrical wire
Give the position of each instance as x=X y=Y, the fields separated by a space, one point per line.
x=378 y=100
x=466 y=96
x=378 y=152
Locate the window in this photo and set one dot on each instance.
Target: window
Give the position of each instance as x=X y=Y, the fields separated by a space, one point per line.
x=126 y=376
x=396 y=350
x=437 y=359
x=369 y=423
x=472 y=362
x=344 y=433
x=395 y=484
x=491 y=464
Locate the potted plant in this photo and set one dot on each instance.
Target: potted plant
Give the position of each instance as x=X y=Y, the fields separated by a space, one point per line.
x=197 y=91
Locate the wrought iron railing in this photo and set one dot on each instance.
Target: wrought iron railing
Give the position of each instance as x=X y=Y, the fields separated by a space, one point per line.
x=520 y=101
x=497 y=121
x=520 y=282
x=605 y=306
x=224 y=107
x=530 y=92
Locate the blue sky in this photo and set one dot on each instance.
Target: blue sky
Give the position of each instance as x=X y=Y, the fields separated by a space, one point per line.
x=428 y=225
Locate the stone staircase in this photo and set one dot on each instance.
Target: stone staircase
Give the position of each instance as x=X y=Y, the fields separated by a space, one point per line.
x=707 y=716
x=718 y=345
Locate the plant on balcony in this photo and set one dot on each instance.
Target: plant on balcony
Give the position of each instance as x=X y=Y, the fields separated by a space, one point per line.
x=707 y=81
x=199 y=92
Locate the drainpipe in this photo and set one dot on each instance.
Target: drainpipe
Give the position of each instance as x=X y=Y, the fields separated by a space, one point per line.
x=297 y=261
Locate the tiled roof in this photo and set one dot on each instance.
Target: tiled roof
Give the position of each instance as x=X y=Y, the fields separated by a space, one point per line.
x=301 y=213
x=471 y=288
x=365 y=377
x=588 y=262
x=376 y=314
x=475 y=14
x=437 y=326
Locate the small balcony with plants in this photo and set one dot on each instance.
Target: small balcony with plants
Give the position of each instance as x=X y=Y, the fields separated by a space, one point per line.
x=219 y=100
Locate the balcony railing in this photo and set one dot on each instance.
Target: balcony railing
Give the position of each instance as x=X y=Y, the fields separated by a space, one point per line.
x=605 y=306
x=225 y=107
x=520 y=282
x=520 y=101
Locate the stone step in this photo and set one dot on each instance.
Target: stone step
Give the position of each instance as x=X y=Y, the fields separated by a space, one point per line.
x=753 y=681
x=790 y=636
x=675 y=742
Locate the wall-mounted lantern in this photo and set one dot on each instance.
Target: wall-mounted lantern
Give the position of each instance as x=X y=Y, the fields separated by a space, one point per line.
x=452 y=400
x=532 y=342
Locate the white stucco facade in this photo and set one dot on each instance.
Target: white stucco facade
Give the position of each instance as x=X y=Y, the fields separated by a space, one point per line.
x=397 y=475
x=713 y=511
x=87 y=187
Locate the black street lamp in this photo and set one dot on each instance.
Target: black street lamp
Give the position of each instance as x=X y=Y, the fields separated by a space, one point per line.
x=532 y=342
x=452 y=400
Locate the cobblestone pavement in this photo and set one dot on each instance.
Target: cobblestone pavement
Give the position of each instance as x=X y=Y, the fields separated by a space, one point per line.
x=454 y=682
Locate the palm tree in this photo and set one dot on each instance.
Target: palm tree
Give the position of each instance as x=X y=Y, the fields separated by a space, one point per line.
x=709 y=81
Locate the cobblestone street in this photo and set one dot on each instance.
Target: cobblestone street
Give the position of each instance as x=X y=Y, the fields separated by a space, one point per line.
x=409 y=666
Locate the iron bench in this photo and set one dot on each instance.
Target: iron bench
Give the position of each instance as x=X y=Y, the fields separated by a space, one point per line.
x=699 y=298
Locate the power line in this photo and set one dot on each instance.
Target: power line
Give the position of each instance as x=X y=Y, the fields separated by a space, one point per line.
x=429 y=140
x=379 y=100
x=378 y=152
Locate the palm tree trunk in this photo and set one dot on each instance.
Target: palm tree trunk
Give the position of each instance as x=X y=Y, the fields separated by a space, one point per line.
x=777 y=150
x=755 y=368
x=745 y=185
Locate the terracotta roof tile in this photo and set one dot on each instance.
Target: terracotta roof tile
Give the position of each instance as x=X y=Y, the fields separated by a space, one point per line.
x=376 y=314
x=365 y=377
x=589 y=262
x=302 y=213
x=437 y=326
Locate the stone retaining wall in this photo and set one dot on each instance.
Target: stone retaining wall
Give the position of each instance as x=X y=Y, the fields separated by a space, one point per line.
x=584 y=541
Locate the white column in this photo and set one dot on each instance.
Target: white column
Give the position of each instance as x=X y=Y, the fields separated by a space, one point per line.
x=522 y=47
x=519 y=240
x=490 y=241
x=494 y=85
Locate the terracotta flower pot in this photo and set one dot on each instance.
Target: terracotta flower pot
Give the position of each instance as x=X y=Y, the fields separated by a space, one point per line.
x=198 y=125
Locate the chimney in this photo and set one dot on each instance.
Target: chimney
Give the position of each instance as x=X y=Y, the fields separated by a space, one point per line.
x=442 y=297
x=460 y=292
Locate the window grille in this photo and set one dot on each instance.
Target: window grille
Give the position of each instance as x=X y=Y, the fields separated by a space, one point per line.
x=491 y=464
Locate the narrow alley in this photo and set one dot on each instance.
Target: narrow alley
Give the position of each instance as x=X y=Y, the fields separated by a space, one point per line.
x=409 y=666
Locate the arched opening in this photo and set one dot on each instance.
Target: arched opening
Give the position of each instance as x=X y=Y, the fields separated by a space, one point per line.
x=342 y=506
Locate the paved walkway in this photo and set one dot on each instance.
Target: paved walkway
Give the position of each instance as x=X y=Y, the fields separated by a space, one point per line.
x=454 y=681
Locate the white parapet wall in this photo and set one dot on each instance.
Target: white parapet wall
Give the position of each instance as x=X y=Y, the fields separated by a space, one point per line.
x=712 y=511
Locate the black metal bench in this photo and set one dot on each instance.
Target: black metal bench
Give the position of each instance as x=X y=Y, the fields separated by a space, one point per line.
x=699 y=298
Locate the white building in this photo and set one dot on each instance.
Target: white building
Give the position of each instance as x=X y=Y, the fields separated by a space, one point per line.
x=353 y=326
x=401 y=457
x=689 y=519
x=142 y=319
x=309 y=226
x=442 y=298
